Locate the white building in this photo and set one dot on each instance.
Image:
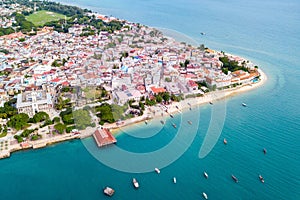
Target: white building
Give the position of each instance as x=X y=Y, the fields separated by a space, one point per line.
x=123 y=96
x=32 y=102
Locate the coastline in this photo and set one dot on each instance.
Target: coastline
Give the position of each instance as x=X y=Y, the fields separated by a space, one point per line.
x=174 y=107
x=150 y=113
x=157 y=111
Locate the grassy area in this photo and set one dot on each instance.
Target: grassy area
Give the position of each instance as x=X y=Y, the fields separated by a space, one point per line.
x=43 y=16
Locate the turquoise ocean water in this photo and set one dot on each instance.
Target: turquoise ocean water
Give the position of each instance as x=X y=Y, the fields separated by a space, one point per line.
x=266 y=32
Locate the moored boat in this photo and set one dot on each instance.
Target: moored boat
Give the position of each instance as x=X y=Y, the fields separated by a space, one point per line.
x=234 y=178
x=171 y=116
x=108 y=191
x=261 y=178
x=174 y=125
x=146 y=121
x=243 y=104
x=157 y=170
x=204 y=195
x=211 y=103
x=265 y=151
x=225 y=141
x=162 y=122
x=174 y=180
x=135 y=183
x=205 y=175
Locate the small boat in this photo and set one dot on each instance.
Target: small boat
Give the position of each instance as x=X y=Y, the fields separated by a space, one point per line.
x=162 y=122
x=234 y=178
x=243 y=104
x=190 y=108
x=171 y=116
x=261 y=178
x=225 y=141
x=177 y=107
x=174 y=125
x=190 y=122
x=179 y=111
x=146 y=121
x=204 y=195
x=108 y=191
x=135 y=183
x=202 y=33
x=157 y=170
x=205 y=175
x=265 y=151
x=211 y=103
x=174 y=179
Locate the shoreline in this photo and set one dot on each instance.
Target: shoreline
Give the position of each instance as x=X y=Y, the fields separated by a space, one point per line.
x=150 y=113
x=156 y=111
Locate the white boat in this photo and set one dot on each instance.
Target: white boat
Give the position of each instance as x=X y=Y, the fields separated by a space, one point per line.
x=174 y=125
x=157 y=170
x=243 y=104
x=135 y=183
x=108 y=191
x=174 y=179
x=261 y=178
x=204 y=195
x=205 y=174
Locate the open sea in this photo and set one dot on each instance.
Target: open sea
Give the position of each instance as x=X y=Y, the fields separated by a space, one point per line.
x=266 y=32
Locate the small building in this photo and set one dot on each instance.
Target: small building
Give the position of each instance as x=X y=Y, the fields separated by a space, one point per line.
x=103 y=137
x=156 y=90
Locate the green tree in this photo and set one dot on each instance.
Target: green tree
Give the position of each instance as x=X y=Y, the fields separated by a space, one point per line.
x=149 y=102
x=56 y=119
x=167 y=79
x=82 y=119
x=60 y=128
x=18 y=121
x=40 y=116
x=158 y=98
x=166 y=96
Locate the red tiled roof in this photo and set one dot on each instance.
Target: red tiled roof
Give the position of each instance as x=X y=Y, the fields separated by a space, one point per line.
x=104 y=137
x=156 y=90
x=55 y=80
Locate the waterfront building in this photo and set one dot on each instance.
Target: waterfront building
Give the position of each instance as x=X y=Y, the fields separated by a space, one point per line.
x=103 y=137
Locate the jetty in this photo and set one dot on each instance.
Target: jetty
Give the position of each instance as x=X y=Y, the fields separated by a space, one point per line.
x=103 y=137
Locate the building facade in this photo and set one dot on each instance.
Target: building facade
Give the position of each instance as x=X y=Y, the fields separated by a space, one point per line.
x=31 y=102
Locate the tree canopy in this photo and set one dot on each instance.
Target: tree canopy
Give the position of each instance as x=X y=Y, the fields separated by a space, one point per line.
x=82 y=119
x=60 y=128
x=18 y=121
x=40 y=116
x=230 y=65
